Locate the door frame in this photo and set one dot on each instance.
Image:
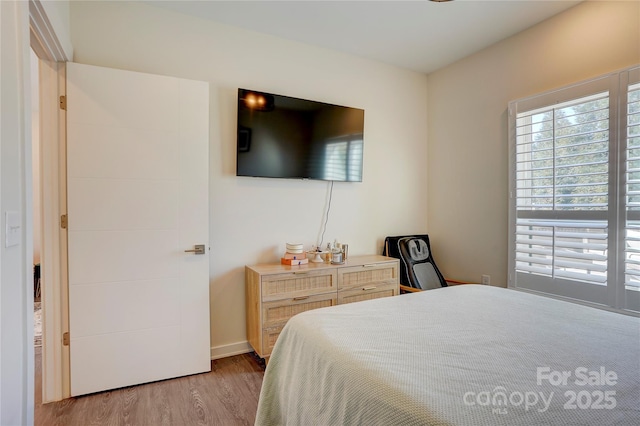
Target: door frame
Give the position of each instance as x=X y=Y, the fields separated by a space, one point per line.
x=55 y=310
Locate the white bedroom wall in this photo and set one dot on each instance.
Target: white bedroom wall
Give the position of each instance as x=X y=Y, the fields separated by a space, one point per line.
x=16 y=282
x=468 y=145
x=252 y=218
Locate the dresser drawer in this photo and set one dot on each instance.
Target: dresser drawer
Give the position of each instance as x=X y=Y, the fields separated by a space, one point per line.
x=368 y=274
x=279 y=311
x=368 y=292
x=269 y=337
x=298 y=284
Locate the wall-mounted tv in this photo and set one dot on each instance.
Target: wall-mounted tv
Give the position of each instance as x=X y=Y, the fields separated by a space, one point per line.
x=285 y=137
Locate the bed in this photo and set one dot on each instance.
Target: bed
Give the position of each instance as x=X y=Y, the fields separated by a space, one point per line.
x=463 y=355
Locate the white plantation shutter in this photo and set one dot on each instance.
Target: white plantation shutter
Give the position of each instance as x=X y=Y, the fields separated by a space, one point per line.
x=562 y=156
x=571 y=250
x=575 y=191
x=632 y=231
x=562 y=165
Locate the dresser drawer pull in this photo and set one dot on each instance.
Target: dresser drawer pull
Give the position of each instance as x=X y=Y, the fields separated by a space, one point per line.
x=369 y=265
x=295 y=299
x=371 y=287
x=300 y=273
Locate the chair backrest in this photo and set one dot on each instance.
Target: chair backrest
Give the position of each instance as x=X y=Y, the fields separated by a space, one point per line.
x=417 y=267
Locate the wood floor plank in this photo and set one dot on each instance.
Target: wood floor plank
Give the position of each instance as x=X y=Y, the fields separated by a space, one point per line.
x=228 y=395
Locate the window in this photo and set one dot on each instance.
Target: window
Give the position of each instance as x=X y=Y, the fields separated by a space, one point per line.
x=575 y=192
x=632 y=204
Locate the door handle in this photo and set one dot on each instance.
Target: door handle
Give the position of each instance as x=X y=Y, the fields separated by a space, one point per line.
x=197 y=249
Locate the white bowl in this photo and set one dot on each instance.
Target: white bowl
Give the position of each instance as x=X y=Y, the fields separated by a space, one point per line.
x=295 y=251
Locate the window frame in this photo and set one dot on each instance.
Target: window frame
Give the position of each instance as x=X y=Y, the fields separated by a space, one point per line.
x=613 y=296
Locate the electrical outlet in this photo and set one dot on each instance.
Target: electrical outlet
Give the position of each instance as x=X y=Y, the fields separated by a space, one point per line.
x=486 y=279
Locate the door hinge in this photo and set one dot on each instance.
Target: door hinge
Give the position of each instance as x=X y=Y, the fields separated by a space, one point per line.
x=66 y=339
x=64 y=222
x=63 y=102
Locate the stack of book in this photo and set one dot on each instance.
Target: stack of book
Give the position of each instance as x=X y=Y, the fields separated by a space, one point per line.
x=294 y=255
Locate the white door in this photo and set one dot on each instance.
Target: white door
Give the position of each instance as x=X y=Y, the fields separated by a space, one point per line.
x=138 y=197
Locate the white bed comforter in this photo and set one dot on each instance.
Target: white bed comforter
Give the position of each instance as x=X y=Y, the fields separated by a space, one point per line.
x=464 y=355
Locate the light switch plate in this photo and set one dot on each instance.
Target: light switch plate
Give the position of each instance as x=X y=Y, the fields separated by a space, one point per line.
x=12 y=228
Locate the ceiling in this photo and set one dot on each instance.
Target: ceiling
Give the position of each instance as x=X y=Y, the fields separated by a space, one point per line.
x=419 y=35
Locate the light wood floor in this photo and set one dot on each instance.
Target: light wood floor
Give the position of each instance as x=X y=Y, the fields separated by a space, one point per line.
x=228 y=395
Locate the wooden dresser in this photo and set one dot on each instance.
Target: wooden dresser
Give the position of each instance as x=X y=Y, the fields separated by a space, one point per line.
x=275 y=293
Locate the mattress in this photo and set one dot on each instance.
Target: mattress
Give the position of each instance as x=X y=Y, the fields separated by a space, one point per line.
x=463 y=355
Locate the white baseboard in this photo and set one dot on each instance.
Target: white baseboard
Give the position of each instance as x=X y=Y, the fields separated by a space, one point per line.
x=230 y=350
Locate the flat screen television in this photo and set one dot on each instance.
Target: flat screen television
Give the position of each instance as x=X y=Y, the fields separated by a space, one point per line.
x=285 y=137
